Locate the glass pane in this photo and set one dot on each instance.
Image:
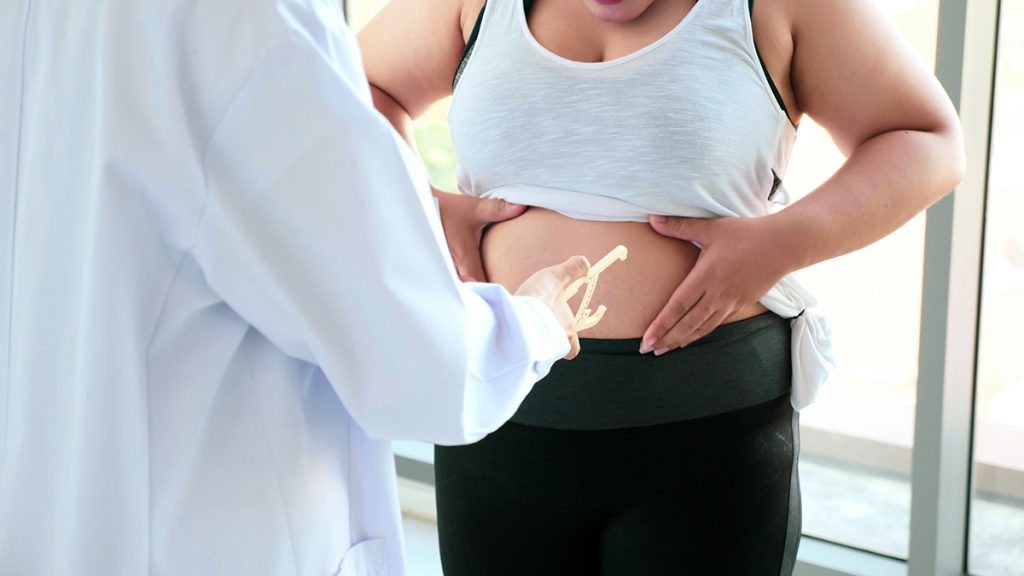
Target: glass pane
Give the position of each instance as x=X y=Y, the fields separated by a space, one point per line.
x=997 y=512
x=431 y=129
x=856 y=441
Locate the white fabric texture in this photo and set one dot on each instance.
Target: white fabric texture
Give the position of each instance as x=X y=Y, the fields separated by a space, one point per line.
x=224 y=288
x=687 y=126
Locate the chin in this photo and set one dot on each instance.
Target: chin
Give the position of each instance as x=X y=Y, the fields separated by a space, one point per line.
x=622 y=11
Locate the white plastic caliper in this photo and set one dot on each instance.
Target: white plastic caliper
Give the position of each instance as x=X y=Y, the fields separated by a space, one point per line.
x=584 y=318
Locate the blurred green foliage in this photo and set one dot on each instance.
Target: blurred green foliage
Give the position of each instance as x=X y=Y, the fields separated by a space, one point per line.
x=435 y=146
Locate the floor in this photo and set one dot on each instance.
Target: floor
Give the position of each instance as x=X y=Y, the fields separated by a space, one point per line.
x=872 y=510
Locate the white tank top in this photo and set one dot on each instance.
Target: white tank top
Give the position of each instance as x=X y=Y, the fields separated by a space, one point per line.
x=687 y=126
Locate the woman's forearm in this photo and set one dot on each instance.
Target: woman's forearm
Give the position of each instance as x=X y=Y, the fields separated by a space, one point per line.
x=885 y=182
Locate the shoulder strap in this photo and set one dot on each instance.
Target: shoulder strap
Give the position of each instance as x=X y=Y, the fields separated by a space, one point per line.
x=468 y=50
x=771 y=82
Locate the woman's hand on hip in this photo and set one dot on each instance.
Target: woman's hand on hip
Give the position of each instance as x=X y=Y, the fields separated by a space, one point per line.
x=737 y=265
x=549 y=285
x=464 y=219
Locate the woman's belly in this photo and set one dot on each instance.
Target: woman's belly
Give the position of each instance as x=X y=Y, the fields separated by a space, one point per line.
x=634 y=290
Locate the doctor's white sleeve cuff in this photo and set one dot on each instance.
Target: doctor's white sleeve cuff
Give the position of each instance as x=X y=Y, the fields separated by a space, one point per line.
x=540 y=335
x=545 y=336
x=512 y=342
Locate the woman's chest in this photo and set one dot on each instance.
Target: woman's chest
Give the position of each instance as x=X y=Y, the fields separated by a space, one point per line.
x=612 y=132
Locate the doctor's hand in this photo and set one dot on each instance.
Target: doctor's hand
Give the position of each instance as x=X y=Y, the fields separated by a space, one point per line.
x=739 y=262
x=549 y=286
x=464 y=219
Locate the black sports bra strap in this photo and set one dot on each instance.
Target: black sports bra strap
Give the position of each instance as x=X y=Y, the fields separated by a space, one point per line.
x=468 y=50
x=764 y=68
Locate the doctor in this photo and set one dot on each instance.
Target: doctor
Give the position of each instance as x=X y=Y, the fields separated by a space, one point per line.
x=221 y=291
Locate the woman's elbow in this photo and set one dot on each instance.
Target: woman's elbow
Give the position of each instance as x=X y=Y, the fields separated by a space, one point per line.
x=946 y=159
x=952 y=157
x=955 y=160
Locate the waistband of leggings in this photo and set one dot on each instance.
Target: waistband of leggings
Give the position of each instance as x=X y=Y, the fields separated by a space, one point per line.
x=731 y=331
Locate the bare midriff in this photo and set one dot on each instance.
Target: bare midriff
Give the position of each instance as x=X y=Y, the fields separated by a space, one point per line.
x=634 y=290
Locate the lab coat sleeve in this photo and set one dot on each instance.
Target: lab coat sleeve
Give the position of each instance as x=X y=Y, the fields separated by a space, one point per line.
x=319 y=230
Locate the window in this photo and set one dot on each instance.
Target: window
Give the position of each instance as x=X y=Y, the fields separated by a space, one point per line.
x=996 y=545
x=856 y=441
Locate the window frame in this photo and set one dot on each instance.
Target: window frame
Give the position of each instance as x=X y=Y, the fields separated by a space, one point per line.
x=941 y=480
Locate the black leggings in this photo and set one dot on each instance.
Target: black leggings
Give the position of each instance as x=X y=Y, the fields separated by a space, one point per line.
x=713 y=495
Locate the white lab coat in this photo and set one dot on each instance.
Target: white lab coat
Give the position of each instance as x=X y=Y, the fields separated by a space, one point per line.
x=221 y=291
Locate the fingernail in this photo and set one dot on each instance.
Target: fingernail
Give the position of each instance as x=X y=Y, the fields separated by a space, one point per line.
x=646 y=346
x=658 y=218
x=661 y=351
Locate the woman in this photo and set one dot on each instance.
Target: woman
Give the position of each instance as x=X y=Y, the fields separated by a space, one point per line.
x=605 y=116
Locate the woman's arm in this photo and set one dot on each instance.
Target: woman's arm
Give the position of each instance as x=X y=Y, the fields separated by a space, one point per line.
x=856 y=76
x=411 y=50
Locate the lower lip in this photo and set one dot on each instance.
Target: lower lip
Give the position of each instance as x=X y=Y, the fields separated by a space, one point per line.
x=607 y=2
